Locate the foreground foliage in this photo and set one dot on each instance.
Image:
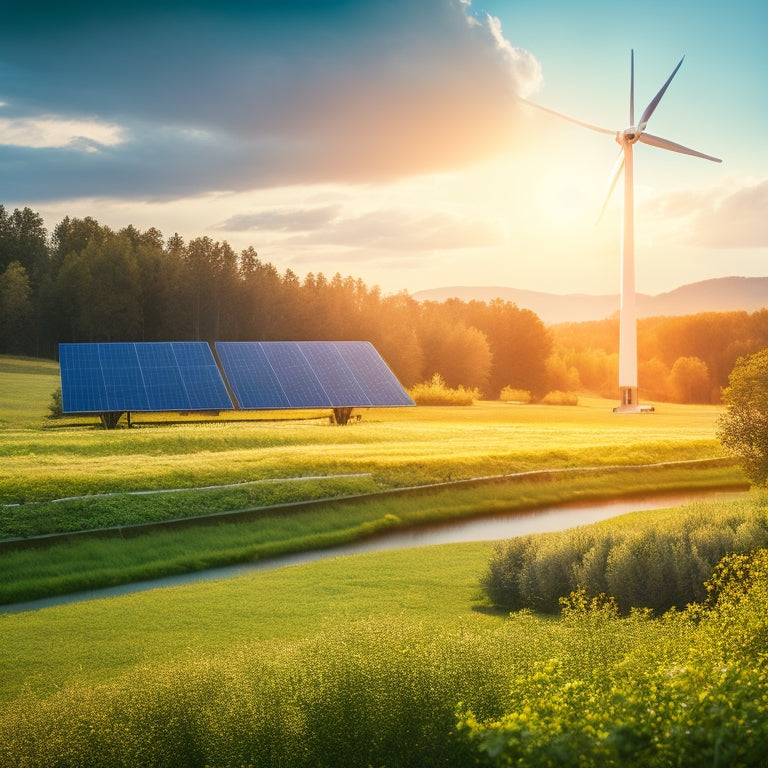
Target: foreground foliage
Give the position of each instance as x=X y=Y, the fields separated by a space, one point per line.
x=591 y=688
x=652 y=565
x=696 y=696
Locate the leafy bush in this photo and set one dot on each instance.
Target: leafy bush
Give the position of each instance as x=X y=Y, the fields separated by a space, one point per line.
x=560 y=398
x=696 y=698
x=743 y=428
x=55 y=406
x=653 y=567
x=512 y=395
x=435 y=392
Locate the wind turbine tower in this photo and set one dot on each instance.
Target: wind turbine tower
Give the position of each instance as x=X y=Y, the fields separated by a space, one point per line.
x=626 y=139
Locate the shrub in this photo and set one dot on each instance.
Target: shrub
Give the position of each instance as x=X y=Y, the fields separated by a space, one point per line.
x=435 y=392
x=560 y=398
x=695 y=695
x=657 y=566
x=55 y=406
x=512 y=395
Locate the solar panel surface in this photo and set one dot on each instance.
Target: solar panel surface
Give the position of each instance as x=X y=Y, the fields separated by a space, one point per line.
x=309 y=374
x=140 y=376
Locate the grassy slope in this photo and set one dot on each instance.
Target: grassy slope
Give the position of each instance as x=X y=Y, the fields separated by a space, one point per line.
x=26 y=386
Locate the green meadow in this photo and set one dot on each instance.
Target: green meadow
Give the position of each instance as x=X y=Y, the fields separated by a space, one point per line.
x=69 y=475
x=387 y=659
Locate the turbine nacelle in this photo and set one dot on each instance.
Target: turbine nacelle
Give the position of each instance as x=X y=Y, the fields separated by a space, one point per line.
x=630 y=135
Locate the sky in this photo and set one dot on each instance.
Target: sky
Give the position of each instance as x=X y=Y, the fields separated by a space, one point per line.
x=384 y=139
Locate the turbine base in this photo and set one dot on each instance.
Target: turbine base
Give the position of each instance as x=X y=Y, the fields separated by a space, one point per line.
x=629 y=402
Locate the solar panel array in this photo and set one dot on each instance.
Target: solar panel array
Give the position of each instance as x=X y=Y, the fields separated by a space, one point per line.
x=142 y=376
x=267 y=375
x=184 y=376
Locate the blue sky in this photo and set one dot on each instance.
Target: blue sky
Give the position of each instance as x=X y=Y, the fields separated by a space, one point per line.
x=382 y=139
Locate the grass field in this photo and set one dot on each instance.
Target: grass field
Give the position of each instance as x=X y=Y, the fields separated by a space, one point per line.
x=44 y=460
x=95 y=641
x=354 y=661
x=71 y=475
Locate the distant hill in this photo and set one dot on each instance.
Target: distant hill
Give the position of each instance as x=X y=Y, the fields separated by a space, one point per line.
x=724 y=294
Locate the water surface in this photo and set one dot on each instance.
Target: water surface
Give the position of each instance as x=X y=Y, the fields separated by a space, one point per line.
x=496 y=528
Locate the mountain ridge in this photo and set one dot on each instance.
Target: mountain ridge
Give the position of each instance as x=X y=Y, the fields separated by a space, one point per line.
x=719 y=294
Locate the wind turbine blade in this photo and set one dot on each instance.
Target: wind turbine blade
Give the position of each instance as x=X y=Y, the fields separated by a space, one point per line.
x=649 y=110
x=656 y=141
x=632 y=87
x=591 y=127
x=615 y=173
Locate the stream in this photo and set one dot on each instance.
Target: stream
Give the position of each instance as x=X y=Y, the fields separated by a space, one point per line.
x=498 y=527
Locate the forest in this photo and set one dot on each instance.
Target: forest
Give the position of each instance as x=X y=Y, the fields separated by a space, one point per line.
x=86 y=282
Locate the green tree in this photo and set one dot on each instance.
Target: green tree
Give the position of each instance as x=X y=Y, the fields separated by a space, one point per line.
x=690 y=380
x=73 y=235
x=743 y=428
x=459 y=353
x=519 y=342
x=15 y=308
x=23 y=238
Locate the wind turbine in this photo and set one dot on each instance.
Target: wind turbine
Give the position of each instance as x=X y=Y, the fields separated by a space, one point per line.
x=626 y=139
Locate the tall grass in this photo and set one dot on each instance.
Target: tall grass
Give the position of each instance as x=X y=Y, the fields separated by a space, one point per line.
x=123 y=509
x=655 y=566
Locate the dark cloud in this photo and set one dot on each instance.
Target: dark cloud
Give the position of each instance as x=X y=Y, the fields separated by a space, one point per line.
x=228 y=95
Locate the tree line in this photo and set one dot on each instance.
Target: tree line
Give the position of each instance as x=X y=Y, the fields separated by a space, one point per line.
x=87 y=282
x=684 y=359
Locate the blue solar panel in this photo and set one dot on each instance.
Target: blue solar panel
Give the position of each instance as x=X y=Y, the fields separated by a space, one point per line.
x=162 y=377
x=373 y=374
x=272 y=375
x=123 y=378
x=82 y=385
x=148 y=376
x=295 y=374
x=251 y=376
x=335 y=377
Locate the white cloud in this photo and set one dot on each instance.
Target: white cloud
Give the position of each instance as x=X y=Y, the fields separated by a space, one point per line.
x=407 y=230
x=281 y=220
x=52 y=131
x=738 y=220
x=731 y=215
x=523 y=65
